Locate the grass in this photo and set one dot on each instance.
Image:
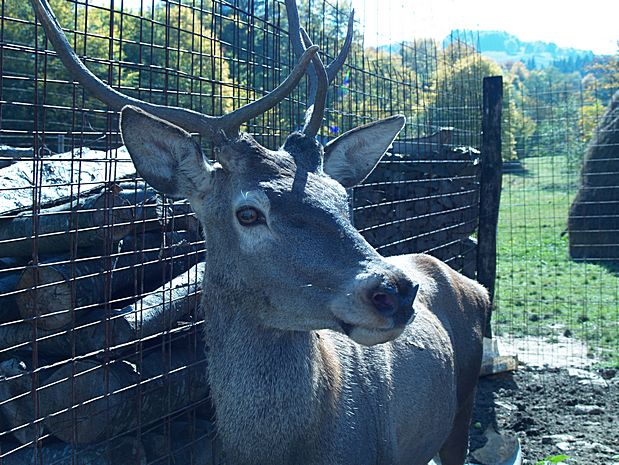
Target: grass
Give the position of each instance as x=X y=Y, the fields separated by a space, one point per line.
x=540 y=291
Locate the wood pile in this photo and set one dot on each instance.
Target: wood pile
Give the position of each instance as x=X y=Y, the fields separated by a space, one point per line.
x=100 y=332
x=423 y=198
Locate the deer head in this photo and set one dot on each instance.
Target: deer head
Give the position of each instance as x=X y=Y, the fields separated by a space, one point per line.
x=279 y=240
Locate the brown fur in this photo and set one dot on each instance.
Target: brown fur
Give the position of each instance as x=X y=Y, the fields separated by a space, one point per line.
x=331 y=369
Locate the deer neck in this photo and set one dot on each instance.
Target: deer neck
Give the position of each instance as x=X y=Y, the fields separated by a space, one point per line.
x=267 y=385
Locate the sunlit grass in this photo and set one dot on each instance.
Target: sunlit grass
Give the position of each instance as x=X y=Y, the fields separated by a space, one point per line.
x=540 y=291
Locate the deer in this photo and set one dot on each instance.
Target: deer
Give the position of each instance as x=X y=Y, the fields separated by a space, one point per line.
x=319 y=350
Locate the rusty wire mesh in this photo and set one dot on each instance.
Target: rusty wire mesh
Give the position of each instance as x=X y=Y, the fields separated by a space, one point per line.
x=558 y=237
x=101 y=356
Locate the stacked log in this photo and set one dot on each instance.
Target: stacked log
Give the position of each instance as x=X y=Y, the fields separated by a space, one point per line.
x=126 y=450
x=99 y=313
x=9 y=155
x=153 y=257
x=424 y=200
x=187 y=441
x=60 y=178
x=16 y=407
x=99 y=329
x=86 y=222
x=54 y=289
x=84 y=401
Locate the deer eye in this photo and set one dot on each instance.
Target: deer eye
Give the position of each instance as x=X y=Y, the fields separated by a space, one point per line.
x=249 y=216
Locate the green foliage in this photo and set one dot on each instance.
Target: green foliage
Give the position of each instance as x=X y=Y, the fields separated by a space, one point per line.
x=161 y=49
x=458 y=100
x=220 y=57
x=553 y=459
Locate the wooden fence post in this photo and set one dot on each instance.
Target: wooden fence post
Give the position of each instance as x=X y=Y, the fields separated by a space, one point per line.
x=490 y=185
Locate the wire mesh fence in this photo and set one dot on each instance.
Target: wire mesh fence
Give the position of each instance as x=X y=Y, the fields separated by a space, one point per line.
x=557 y=283
x=101 y=350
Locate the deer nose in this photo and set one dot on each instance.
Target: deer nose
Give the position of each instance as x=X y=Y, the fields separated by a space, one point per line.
x=395 y=300
x=385 y=300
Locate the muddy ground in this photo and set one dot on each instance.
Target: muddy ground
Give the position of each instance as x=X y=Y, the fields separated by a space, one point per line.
x=553 y=411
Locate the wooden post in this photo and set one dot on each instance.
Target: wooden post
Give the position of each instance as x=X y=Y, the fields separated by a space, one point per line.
x=490 y=185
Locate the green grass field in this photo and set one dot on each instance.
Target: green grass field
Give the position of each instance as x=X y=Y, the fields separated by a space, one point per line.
x=540 y=291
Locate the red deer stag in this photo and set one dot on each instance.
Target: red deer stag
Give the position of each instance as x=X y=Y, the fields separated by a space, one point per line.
x=320 y=351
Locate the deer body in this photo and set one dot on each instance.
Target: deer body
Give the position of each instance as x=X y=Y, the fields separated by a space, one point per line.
x=286 y=392
x=319 y=350
x=324 y=399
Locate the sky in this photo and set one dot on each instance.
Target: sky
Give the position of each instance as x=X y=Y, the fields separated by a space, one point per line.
x=588 y=25
x=582 y=24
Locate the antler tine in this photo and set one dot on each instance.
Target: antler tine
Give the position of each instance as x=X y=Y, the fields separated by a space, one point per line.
x=298 y=46
x=233 y=120
x=317 y=93
x=190 y=120
x=339 y=60
x=318 y=102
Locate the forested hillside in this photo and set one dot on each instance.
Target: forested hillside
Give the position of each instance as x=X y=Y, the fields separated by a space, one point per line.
x=504 y=47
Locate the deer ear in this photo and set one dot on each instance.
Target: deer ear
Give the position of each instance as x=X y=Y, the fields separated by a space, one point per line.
x=165 y=155
x=351 y=157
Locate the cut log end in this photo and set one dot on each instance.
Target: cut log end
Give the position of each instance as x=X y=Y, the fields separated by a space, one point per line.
x=45 y=296
x=78 y=397
x=113 y=210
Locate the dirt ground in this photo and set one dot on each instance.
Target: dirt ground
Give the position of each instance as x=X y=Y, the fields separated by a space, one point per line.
x=552 y=411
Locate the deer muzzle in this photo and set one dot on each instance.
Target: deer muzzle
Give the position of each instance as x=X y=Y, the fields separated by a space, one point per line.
x=376 y=307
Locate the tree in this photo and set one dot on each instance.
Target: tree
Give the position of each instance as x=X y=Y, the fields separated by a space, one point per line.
x=163 y=54
x=458 y=102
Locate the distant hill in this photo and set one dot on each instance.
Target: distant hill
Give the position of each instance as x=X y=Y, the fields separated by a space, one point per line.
x=503 y=47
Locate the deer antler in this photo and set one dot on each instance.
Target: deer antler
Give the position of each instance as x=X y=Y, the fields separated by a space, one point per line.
x=319 y=76
x=190 y=120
